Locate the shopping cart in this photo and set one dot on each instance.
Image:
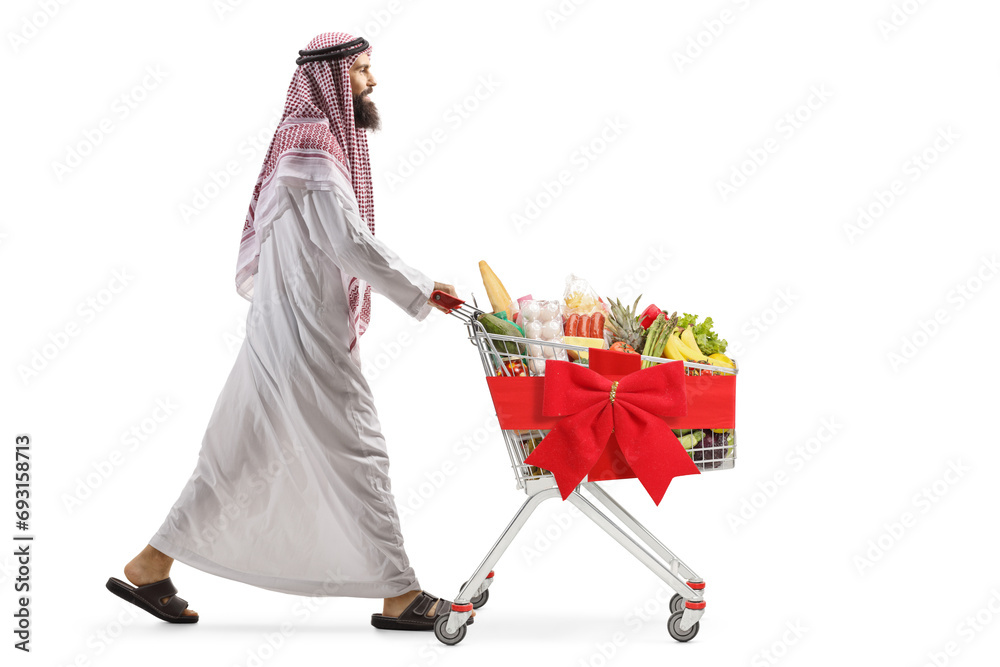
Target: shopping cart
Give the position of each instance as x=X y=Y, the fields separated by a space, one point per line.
x=509 y=355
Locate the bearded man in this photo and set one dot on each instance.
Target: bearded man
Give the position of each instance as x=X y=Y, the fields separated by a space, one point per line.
x=291 y=490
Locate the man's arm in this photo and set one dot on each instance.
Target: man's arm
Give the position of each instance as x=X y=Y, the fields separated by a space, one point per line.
x=345 y=238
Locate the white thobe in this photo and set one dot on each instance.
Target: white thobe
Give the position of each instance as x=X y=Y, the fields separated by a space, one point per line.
x=291 y=491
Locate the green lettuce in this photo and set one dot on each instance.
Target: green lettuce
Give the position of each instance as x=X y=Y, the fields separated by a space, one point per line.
x=708 y=341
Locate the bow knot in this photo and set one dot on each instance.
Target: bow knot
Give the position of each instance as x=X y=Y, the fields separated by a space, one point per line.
x=595 y=409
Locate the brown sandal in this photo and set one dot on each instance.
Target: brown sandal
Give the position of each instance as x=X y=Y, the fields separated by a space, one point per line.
x=415 y=616
x=149 y=597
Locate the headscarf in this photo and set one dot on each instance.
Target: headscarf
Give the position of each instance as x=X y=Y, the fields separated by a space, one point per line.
x=318 y=115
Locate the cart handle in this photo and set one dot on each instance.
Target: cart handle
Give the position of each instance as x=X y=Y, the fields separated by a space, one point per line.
x=446 y=300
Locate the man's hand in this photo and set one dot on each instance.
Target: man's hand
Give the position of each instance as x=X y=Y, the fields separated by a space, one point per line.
x=444 y=287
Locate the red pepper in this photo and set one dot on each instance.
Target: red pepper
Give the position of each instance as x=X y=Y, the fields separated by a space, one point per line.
x=515 y=366
x=649 y=315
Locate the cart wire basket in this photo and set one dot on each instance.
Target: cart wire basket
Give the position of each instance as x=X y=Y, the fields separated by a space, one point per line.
x=710 y=449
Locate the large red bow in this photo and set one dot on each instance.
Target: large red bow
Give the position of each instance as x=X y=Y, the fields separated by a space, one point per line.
x=593 y=406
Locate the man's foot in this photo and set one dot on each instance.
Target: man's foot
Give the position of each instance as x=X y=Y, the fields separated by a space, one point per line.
x=149 y=566
x=393 y=607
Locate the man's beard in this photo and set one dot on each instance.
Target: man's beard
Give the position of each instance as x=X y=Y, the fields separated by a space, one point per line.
x=365 y=113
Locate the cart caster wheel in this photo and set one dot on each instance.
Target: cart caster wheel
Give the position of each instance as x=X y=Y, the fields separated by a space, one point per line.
x=676 y=603
x=480 y=599
x=674 y=628
x=441 y=632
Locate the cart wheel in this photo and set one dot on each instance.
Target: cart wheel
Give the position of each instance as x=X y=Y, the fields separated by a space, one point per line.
x=674 y=628
x=480 y=599
x=676 y=603
x=441 y=632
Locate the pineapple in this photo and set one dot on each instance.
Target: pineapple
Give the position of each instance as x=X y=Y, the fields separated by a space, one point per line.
x=624 y=324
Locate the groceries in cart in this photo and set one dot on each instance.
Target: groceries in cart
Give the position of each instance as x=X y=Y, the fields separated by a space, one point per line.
x=567 y=329
x=709 y=448
x=582 y=319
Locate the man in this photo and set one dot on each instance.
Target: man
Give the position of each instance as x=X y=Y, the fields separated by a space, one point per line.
x=291 y=491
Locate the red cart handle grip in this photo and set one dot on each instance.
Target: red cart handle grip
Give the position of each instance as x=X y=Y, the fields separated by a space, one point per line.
x=446 y=300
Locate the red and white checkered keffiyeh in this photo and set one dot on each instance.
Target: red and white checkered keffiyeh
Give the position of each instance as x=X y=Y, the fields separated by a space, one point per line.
x=318 y=122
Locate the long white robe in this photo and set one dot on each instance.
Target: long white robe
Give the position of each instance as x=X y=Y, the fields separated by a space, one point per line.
x=291 y=491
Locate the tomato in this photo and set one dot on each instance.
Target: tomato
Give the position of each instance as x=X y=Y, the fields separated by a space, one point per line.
x=622 y=346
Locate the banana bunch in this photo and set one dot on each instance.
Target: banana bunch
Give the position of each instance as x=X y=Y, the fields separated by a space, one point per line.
x=683 y=347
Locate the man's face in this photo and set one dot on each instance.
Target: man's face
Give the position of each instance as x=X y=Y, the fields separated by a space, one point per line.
x=362 y=83
x=361 y=75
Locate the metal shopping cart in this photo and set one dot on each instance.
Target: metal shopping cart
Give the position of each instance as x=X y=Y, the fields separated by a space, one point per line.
x=507 y=355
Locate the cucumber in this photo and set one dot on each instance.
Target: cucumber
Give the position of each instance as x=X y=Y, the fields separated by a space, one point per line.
x=497 y=326
x=502 y=315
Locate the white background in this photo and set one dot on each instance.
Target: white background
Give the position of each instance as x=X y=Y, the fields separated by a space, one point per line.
x=844 y=546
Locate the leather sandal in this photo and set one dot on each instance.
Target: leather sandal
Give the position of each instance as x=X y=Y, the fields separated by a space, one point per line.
x=149 y=596
x=415 y=616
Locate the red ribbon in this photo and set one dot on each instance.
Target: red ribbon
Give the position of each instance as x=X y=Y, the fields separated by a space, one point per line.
x=593 y=405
